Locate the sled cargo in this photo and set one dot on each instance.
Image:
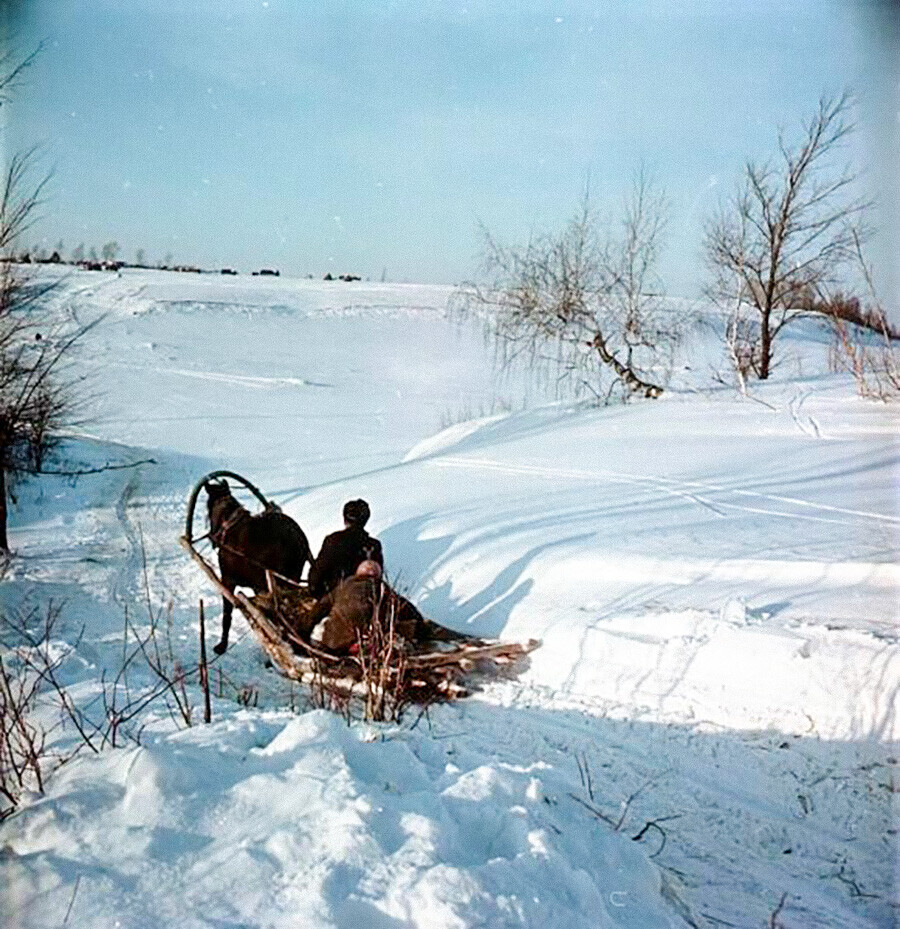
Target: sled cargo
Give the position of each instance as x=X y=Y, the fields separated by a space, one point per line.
x=432 y=669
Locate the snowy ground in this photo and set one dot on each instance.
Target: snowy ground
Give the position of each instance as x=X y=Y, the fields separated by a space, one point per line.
x=714 y=580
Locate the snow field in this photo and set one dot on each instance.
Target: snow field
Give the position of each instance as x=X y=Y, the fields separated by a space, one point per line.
x=713 y=578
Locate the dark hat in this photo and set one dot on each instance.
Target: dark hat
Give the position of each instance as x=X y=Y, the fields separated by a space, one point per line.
x=356 y=512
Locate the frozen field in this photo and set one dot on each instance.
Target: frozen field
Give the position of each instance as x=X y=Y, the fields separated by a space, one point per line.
x=714 y=580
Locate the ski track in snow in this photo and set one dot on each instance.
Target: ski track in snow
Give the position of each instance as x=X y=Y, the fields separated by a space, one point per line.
x=668 y=485
x=241 y=380
x=809 y=426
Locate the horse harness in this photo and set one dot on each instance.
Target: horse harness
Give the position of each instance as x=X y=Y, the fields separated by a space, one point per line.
x=217 y=538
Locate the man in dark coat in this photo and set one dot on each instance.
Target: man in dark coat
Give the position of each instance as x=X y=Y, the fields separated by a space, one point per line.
x=350 y=608
x=343 y=552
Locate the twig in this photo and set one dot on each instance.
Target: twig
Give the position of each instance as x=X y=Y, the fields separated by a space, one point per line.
x=204 y=670
x=100 y=470
x=592 y=809
x=72 y=901
x=774 y=921
x=654 y=824
x=631 y=799
x=855 y=890
x=718 y=921
x=584 y=772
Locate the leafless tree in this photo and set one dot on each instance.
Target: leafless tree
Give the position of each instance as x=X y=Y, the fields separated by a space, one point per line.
x=590 y=305
x=109 y=251
x=37 y=396
x=787 y=232
x=649 y=331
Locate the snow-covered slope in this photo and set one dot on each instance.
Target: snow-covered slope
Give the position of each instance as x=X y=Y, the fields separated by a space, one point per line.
x=713 y=577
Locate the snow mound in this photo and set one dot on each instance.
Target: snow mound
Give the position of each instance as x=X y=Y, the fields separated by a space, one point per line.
x=267 y=820
x=449 y=437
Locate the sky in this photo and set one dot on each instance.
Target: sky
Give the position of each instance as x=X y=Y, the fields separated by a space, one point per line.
x=379 y=138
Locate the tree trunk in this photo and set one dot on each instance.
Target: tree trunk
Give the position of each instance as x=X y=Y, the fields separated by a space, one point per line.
x=629 y=378
x=4 y=543
x=765 y=347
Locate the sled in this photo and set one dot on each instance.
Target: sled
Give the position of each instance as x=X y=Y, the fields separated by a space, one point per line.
x=443 y=670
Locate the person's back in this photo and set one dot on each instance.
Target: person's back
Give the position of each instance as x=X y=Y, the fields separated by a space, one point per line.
x=356 y=601
x=349 y=611
x=342 y=552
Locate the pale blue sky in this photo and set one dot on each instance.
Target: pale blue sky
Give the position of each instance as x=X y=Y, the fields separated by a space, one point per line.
x=357 y=136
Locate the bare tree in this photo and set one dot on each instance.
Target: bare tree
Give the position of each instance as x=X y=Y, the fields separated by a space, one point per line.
x=140 y=257
x=109 y=251
x=649 y=331
x=786 y=233
x=37 y=397
x=588 y=305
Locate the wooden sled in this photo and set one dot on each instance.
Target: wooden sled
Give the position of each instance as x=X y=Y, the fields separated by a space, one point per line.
x=442 y=671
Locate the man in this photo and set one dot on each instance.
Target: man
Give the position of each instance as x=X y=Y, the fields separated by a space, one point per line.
x=343 y=552
x=350 y=608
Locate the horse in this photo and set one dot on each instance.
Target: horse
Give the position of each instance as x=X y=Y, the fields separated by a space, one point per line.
x=248 y=545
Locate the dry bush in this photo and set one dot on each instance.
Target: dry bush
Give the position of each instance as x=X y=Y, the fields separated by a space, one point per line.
x=28 y=676
x=382 y=662
x=849 y=309
x=376 y=683
x=36 y=706
x=23 y=744
x=39 y=395
x=371 y=684
x=873 y=362
x=32 y=657
x=872 y=359
x=327 y=692
x=118 y=713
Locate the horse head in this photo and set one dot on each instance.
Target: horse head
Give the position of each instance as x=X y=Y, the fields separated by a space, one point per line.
x=220 y=503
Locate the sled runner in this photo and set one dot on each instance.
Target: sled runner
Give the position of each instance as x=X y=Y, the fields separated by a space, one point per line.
x=440 y=667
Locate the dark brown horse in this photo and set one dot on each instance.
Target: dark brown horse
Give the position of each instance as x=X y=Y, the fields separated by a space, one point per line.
x=249 y=545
